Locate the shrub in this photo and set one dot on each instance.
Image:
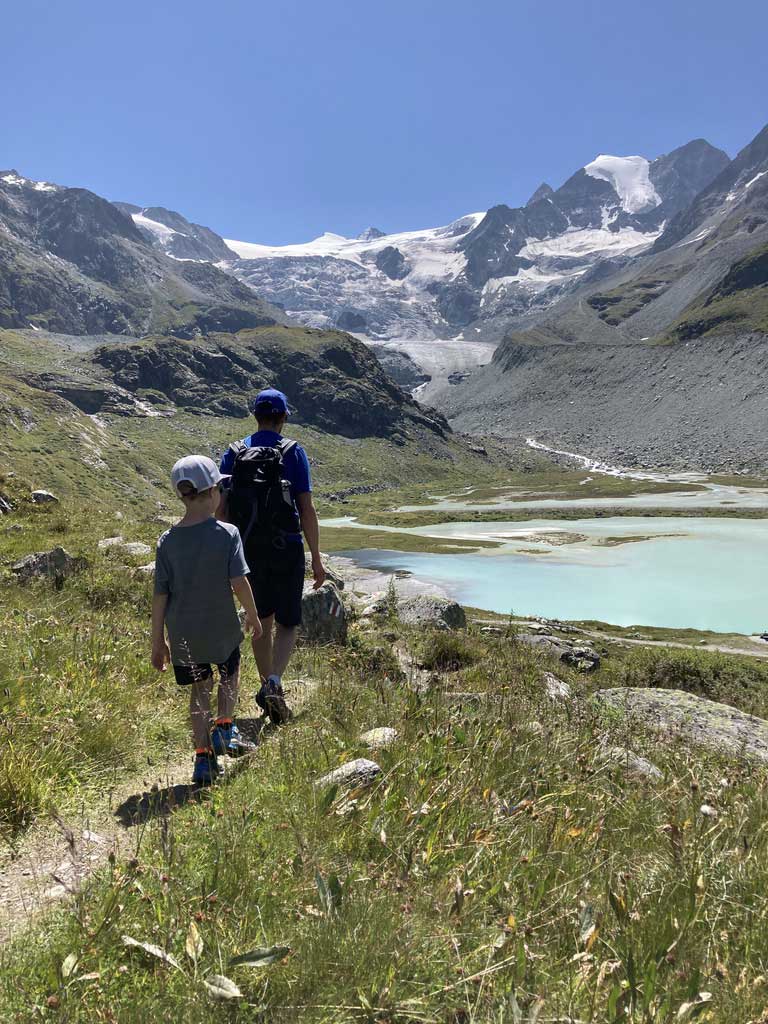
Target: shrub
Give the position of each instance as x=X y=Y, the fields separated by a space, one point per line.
x=446 y=652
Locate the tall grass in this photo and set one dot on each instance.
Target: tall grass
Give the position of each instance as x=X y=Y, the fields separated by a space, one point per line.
x=499 y=870
x=80 y=705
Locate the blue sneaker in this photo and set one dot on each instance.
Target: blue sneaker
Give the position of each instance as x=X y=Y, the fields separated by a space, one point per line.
x=227 y=739
x=206 y=770
x=271 y=700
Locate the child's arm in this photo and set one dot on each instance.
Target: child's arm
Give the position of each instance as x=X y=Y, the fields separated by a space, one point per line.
x=242 y=589
x=161 y=656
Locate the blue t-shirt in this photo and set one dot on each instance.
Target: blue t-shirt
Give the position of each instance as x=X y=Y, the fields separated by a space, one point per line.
x=295 y=463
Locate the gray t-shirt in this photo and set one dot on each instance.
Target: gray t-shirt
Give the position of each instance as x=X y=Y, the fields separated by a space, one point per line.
x=194 y=565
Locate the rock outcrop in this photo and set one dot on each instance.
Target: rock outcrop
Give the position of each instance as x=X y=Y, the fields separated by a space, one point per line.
x=73 y=262
x=335 y=382
x=44 y=498
x=701 y=722
x=57 y=564
x=323 y=616
x=431 y=610
x=582 y=658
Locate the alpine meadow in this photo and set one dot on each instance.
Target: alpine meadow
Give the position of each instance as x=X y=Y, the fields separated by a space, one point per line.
x=383 y=627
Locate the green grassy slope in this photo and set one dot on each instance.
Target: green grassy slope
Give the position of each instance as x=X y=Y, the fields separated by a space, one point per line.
x=498 y=871
x=738 y=303
x=117 y=460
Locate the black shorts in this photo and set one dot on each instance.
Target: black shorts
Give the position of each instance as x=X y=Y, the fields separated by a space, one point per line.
x=277 y=581
x=188 y=674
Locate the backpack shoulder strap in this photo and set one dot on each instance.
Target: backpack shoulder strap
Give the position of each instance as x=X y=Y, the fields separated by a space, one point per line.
x=285 y=445
x=238 y=447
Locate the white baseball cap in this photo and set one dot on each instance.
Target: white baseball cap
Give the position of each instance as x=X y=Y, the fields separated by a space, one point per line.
x=198 y=470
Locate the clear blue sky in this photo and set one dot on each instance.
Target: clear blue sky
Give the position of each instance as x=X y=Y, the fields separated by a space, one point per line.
x=275 y=122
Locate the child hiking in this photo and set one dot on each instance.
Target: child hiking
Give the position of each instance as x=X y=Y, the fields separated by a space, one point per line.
x=199 y=563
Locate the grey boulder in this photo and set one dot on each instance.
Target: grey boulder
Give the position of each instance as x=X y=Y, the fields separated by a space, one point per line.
x=379 y=739
x=557 y=689
x=377 y=606
x=44 y=498
x=582 y=658
x=431 y=610
x=360 y=772
x=323 y=615
x=57 y=564
x=701 y=722
x=634 y=765
x=134 y=548
x=137 y=549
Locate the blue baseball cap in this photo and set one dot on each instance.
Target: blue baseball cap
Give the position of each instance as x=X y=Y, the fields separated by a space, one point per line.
x=270 y=402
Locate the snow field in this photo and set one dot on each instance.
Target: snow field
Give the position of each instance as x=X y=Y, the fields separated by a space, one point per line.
x=629 y=177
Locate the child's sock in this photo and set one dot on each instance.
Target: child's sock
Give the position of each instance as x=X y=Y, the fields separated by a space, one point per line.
x=274 y=679
x=223 y=721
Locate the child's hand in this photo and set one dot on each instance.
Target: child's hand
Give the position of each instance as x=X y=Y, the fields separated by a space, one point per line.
x=253 y=626
x=161 y=656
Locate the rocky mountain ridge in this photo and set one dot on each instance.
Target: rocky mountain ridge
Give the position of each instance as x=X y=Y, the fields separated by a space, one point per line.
x=660 y=363
x=72 y=262
x=475 y=276
x=335 y=382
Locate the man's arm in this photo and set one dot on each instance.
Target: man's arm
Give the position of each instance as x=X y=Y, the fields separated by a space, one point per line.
x=160 y=653
x=244 y=594
x=311 y=530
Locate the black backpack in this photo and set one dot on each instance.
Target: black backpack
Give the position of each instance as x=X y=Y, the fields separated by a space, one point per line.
x=260 y=501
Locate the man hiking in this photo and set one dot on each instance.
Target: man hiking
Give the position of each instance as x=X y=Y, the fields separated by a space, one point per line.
x=270 y=501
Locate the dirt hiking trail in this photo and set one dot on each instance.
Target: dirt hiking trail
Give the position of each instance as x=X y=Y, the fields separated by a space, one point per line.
x=60 y=853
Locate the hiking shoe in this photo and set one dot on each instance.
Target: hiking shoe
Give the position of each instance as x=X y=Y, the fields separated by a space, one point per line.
x=206 y=770
x=271 y=700
x=227 y=739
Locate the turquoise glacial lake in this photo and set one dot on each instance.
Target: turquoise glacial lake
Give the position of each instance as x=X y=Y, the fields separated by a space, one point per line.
x=703 y=573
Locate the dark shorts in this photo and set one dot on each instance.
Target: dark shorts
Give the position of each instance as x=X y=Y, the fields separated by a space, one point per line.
x=277 y=581
x=188 y=674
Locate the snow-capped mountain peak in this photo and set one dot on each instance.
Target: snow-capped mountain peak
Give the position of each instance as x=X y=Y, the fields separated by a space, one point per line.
x=474 y=277
x=175 y=235
x=630 y=178
x=16 y=179
x=161 y=232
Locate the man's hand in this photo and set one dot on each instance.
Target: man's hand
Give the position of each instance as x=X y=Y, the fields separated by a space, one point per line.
x=318 y=571
x=161 y=656
x=253 y=626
